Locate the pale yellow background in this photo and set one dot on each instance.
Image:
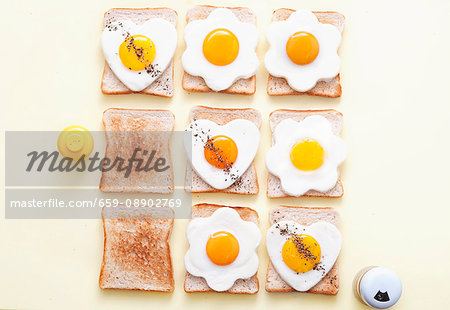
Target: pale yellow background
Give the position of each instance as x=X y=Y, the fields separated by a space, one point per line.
x=395 y=211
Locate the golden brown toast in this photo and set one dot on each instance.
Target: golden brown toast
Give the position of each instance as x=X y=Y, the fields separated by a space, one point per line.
x=136 y=254
x=329 y=285
x=247 y=184
x=194 y=284
x=274 y=189
x=125 y=131
x=278 y=86
x=164 y=85
x=196 y=83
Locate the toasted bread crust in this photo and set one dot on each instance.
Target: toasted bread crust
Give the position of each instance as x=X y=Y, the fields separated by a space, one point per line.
x=202 y=12
x=240 y=87
x=164 y=85
x=305 y=111
x=207 y=209
x=274 y=189
x=196 y=83
x=240 y=282
x=248 y=184
x=241 y=286
x=140 y=9
x=139 y=110
x=278 y=86
x=329 y=285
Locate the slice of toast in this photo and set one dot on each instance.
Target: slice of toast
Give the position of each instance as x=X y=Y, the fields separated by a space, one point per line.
x=196 y=83
x=329 y=285
x=274 y=189
x=278 y=86
x=247 y=184
x=128 y=130
x=193 y=284
x=136 y=254
x=162 y=86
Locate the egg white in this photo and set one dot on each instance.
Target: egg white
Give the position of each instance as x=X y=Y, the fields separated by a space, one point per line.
x=303 y=77
x=248 y=235
x=243 y=132
x=330 y=242
x=287 y=133
x=160 y=31
x=220 y=77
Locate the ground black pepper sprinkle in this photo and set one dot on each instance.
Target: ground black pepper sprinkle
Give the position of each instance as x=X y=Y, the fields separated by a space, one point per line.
x=204 y=137
x=151 y=69
x=302 y=248
x=219 y=155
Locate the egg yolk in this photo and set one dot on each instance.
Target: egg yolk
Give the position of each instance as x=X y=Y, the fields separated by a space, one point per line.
x=307 y=155
x=137 y=52
x=221 y=152
x=222 y=248
x=301 y=253
x=302 y=48
x=220 y=47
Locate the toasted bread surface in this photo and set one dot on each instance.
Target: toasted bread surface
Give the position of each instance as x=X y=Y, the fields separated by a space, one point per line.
x=196 y=83
x=136 y=254
x=274 y=189
x=278 y=86
x=329 y=285
x=127 y=131
x=164 y=85
x=193 y=284
x=247 y=184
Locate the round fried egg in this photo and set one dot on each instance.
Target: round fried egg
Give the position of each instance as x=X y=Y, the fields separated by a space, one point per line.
x=138 y=54
x=303 y=50
x=220 y=49
x=303 y=255
x=305 y=155
x=222 y=248
x=221 y=154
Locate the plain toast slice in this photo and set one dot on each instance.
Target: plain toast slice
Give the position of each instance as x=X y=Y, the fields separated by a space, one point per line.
x=329 y=285
x=278 y=86
x=193 y=284
x=164 y=85
x=127 y=131
x=274 y=189
x=196 y=83
x=136 y=254
x=248 y=183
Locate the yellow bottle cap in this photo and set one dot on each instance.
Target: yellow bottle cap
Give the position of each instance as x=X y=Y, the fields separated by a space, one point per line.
x=75 y=141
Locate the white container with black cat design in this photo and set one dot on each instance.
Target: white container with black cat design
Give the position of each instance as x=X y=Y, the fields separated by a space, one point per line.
x=378 y=287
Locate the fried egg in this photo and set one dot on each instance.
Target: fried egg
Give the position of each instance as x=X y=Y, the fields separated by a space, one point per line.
x=303 y=50
x=221 y=154
x=305 y=155
x=220 y=49
x=138 y=54
x=222 y=248
x=303 y=255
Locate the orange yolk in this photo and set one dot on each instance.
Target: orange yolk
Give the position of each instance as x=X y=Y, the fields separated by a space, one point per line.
x=301 y=253
x=221 y=152
x=307 y=155
x=220 y=47
x=137 y=52
x=222 y=248
x=302 y=48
